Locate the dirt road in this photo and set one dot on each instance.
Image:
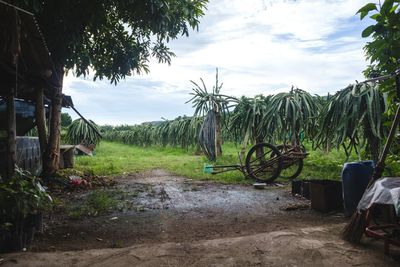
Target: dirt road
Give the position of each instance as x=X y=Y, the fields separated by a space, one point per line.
x=179 y=222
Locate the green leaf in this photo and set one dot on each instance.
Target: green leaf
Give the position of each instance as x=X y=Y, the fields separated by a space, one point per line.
x=386 y=7
x=368 y=31
x=393 y=9
x=366 y=9
x=375 y=16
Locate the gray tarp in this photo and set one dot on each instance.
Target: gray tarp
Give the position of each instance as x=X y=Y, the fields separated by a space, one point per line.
x=385 y=191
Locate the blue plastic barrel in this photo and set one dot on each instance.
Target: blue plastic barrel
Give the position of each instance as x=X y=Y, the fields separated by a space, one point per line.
x=355 y=178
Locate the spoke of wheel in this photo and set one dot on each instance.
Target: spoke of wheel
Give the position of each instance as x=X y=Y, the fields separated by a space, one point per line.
x=287 y=161
x=264 y=166
x=268 y=162
x=257 y=158
x=259 y=170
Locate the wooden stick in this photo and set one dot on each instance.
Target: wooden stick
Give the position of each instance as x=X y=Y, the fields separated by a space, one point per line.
x=380 y=166
x=384 y=77
x=381 y=163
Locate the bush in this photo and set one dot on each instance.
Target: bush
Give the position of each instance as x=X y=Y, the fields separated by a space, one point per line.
x=22 y=199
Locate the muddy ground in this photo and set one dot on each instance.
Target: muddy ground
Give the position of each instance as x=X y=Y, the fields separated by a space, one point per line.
x=168 y=221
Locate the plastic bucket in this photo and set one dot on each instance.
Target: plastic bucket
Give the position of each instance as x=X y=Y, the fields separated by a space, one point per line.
x=355 y=178
x=208 y=169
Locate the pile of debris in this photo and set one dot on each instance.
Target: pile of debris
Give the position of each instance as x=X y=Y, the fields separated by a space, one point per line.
x=72 y=179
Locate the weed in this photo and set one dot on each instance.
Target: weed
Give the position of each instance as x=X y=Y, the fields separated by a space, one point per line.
x=96 y=203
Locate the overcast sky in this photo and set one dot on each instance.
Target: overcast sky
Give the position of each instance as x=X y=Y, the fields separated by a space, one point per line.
x=259 y=47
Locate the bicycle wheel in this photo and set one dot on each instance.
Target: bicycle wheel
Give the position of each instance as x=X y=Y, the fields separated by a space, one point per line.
x=263 y=162
x=290 y=168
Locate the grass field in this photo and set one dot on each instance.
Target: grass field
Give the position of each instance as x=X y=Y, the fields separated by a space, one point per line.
x=117 y=159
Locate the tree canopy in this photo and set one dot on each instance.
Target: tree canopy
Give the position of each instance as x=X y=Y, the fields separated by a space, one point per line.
x=115 y=38
x=66 y=120
x=383 y=50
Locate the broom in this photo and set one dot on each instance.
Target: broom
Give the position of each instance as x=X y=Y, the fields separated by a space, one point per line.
x=354 y=230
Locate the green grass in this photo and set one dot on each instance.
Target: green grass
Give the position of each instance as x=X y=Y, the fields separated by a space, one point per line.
x=325 y=165
x=96 y=203
x=117 y=159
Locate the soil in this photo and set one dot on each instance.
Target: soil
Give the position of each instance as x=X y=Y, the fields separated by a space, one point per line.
x=174 y=221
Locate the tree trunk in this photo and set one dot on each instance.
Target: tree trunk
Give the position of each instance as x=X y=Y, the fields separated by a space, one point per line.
x=258 y=139
x=375 y=147
x=372 y=140
x=328 y=145
x=52 y=153
x=242 y=155
x=41 y=121
x=295 y=136
x=218 y=135
x=11 y=135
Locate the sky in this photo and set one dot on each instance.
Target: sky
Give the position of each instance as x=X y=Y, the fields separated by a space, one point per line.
x=259 y=47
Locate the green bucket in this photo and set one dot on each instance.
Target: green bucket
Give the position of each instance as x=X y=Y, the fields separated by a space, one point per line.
x=208 y=168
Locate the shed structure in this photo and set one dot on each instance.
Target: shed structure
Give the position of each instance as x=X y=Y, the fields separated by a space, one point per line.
x=27 y=82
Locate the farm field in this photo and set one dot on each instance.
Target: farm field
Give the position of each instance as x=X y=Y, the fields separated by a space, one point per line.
x=113 y=158
x=162 y=207
x=125 y=143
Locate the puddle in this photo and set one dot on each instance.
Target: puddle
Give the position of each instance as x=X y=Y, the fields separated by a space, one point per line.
x=158 y=190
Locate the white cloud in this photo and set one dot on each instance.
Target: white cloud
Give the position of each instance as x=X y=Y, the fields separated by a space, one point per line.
x=259 y=47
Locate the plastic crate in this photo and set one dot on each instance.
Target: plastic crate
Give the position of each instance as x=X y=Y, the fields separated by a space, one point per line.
x=326 y=195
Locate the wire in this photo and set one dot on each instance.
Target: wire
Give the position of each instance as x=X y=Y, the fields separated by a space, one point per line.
x=18 y=8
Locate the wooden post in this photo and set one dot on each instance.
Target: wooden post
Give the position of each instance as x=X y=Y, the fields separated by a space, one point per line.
x=11 y=157
x=40 y=119
x=11 y=135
